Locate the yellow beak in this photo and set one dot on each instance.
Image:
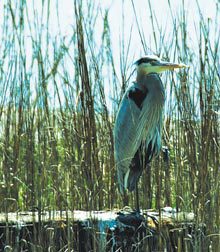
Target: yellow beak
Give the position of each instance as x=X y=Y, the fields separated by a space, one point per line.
x=170 y=66
x=158 y=67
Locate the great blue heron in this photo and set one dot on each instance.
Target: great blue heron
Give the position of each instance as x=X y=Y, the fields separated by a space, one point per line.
x=138 y=126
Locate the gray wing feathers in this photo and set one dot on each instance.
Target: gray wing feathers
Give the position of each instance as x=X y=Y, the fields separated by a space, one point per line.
x=126 y=142
x=132 y=126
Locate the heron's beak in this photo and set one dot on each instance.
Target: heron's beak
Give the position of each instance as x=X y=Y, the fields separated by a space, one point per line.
x=170 y=66
x=158 y=67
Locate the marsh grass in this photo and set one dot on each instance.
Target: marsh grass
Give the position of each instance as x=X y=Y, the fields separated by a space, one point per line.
x=56 y=131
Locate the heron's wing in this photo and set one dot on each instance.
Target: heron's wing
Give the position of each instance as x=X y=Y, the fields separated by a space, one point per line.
x=135 y=122
x=125 y=131
x=136 y=167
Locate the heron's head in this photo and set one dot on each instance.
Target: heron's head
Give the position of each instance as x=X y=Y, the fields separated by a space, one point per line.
x=153 y=64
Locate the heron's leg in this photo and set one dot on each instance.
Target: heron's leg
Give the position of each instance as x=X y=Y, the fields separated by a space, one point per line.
x=137 y=198
x=125 y=199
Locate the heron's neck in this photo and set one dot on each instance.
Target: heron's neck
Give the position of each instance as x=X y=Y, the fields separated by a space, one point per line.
x=143 y=80
x=151 y=84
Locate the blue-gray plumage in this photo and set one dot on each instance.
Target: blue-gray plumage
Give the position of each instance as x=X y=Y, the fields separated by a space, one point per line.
x=139 y=122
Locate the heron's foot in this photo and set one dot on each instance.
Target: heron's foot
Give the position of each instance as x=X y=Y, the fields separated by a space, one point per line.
x=130 y=217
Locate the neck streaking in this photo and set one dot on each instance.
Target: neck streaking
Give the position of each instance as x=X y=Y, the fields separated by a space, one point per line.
x=152 y=84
